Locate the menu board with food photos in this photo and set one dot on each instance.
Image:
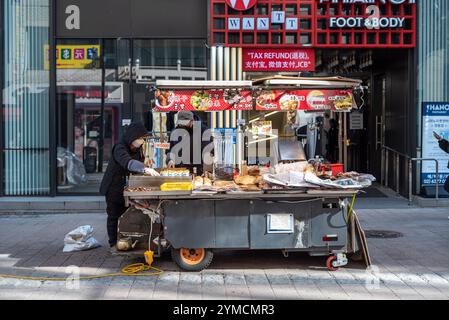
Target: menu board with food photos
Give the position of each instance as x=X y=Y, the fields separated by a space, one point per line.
x=203 y=100
x=265 y=100
x=308 y=100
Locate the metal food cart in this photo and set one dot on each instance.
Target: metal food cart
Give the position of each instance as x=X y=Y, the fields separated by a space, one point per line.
x=195 y=224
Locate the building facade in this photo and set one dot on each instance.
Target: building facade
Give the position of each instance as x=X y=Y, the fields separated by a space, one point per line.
x=74 y=73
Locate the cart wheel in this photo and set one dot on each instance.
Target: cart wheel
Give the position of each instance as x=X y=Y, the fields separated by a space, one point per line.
x=192 y=259
x=329 y=263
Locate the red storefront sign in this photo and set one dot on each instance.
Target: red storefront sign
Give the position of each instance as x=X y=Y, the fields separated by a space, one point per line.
x=308 y=100
x=278 y=60
x=315 y=24
x=203 y=100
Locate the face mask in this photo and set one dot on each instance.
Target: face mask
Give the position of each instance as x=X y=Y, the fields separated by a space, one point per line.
x=138 y=143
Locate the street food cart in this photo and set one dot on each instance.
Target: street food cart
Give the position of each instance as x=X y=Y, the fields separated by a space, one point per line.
x=292 y=206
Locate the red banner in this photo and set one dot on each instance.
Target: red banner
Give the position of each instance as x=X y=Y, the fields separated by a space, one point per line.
x=203 y=100
x=278 y=60
x=308 y=100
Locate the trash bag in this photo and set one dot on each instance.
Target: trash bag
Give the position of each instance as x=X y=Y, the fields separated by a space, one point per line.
x=76 y=173
x=80 y=239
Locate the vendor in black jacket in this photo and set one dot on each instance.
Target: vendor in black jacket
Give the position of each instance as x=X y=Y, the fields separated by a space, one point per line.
x=189 y=140
x=444 y=145
x=127 y=156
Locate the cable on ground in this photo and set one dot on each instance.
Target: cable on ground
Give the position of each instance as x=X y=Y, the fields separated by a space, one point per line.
x=131 y=270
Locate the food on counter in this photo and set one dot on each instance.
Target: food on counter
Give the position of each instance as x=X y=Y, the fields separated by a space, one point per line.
x=208 y=175
x=246 y=180
x=250 y=183
x=263 y=185
x=250 y=187
x=198 y=182
x=202 y=183
x=175 y=172
x=201 y=100
x=254 y=171
x=287 y=167
x=207 y=182
x=224 y=184
x=309 y=168
x=139 y=189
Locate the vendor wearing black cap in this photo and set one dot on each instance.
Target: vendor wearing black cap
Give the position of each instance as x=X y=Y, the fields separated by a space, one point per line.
x=127 y=156
x=188 y=138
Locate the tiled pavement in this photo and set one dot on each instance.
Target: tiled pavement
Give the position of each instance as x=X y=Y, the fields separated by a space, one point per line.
x=415 y=266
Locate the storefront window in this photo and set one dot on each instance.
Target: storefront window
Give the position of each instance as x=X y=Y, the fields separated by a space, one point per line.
x=25 y=153
x=92 y=101
x=433 y=90
x=89 y=126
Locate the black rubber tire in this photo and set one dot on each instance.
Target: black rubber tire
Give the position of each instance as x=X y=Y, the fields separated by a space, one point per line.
x=203 y=264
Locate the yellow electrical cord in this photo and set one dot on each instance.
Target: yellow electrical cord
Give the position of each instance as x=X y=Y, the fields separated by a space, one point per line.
x=351 y=207
x=132 y=270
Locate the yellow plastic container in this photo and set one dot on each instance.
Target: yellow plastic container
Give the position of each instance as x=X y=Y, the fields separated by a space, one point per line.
x=176 y=186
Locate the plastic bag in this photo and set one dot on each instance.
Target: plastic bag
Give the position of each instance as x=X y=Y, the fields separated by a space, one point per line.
x=352 y=181
x=80 y=239
x=299 y=166
x=288 y=179
x=76 y=173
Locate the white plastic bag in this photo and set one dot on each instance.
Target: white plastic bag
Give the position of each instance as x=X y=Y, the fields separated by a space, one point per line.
x=76 y=173
x=80 y=239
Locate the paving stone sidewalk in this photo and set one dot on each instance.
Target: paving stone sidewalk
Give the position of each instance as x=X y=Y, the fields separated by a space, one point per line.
x=415 y=266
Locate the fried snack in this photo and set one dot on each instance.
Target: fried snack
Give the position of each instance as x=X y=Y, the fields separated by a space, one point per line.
x=198 y=179
x=138 y=189
x=250 y=187
x=246 y=180
x=309 y=168
x=259 y=179
x=198 y=182
x=207 y=182
x=253 y=171
x=224 y=184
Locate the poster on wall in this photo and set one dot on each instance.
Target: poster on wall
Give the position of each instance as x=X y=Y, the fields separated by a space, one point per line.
x=262 y=128
x=269 y=60
x=435 y=119
x=73 y=56
x=307 y=100
x=203 y=100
